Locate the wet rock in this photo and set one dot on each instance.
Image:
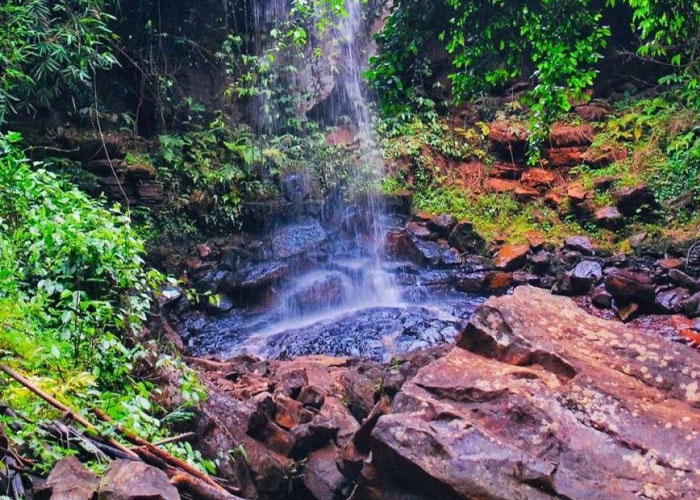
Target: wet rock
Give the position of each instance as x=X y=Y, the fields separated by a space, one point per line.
x=683 y=280
x=262 y=216
x=429 y=251
x=294 y=188
x=511 y=257
x=398 y=203
x=450 y=256
x=290 y=413
x=68 y=480
x=609 y=218
x=312 y=396
x=442 y=225
x=631 y=201
x=130 y=480
x=218 y=304
x=630 y=286
x=400 y=246
x=316 y=291
x=672 y=301
x=626 y=311
x=465 y=238
x=541 y=260
x=580 y=244
x=601 y=298
x=691 y=306
x=297 y=239
x=321 y=476
x=254 y=278
x=362 y=383
x=466 y=421
x=585 y=275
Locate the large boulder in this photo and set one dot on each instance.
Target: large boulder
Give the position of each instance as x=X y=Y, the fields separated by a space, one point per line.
x=465 y=238
x=541 y=401
x=130 y=480
x=68 y=480
x=630 y=286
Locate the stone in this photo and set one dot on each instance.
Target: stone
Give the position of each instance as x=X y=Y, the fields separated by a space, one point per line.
x=294 y=188
x=672 y=301
x=511 y=257
x=316 y=291
x=609 y=218
x=297 y=239
x=593 y=112
x=398 y=203
x=508 y=139
x=312 y=396
x=465 y=238
x=141 y=171
x=634 y=200
x=577 y=193
x=691 y=306
x=290 y=413
x=553 y=200
x=541 y=260
x=603 y=156
x=565 y=157
x=450 y=256
x=537 y=396
x=562 y=134
x=626 y=312
x=254 y=277
x=538 y=178
x=68 y=480
x=630 y=286
x=361 y=384
x=400 y=246
x=505 y=170
x=586 y=275
x=418 y=230
x=442 y=225
x=429 y=251
x=604 y=183
x=130 y=480
x=321 y=476
x=670 y=263
x=151 y=193
x=580 y=244
x=682 y=279
x=517 y=189
x=601 y=298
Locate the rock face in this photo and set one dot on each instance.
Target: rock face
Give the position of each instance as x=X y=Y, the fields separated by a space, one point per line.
x=542 y=401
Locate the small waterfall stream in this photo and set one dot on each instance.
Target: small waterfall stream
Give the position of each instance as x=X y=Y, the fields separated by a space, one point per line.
x=341 y=295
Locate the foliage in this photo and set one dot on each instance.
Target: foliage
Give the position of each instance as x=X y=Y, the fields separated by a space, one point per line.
x=74 y=294
x=48 y=47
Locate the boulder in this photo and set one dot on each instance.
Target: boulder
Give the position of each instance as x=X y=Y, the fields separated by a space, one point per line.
x=586 y=275
x=442 y=225
x=151 y=193
x=508 y=139
x=505 y=170
x=68 y=480
x=255 y=277
x=563 y=134
x=633 y=200
x=321 y=476
x=579 y=244
x=511 y=257
x=517 y=189
x=609 y=218
x=538 y=178
x=601 y=298
x=672 y=301
x=297 y=239
x=130 y=480
x=465 y=238
x=682 y=279
x=542 y=401
x=630 y=286
x=566 y=156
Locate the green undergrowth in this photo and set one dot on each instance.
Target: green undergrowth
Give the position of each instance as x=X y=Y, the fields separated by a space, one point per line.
x=74 y=302
x=657 y=141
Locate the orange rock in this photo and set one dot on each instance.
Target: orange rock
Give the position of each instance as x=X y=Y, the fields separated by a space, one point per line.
x=511 y=257
x=565 y=156
x=571 y=135
x=670 y=263
x=538 y=178
x=577 y=193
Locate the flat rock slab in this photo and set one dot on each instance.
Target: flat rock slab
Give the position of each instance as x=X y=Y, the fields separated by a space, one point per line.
x=542 y=401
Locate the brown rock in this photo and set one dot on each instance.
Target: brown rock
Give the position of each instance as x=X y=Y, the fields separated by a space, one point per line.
x=577 y=193
x=554 y=200
x=609 y=218
x=68 y=480
x=571 y=135
x=593 y=112
x=321 y=476
x=566 y=156
x=580 y=244
x=630 y=286
x=626 y=312
x=553 y=393
x=290 y=413
x=442 y=224
x=508 y=139
x=151 y=192
x=604 y=156
x=502 y=170
x=632 y=200
x=130 y=480
x=505 y=186
x=668 y=264
x=465 y=238
x=511 y=257
x=538 y=178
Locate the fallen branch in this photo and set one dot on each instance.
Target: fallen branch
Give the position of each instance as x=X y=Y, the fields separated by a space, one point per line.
x=67 y=412
x=161 y=454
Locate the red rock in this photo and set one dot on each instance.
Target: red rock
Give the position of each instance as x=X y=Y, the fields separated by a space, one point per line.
x=571 y=135
x=667 y=264
x=604 y=156
x=502 y=170
x=511 y=257
x=321 y=476
x=629 y=286
x=538 y=178
x=508 y=139
x=290 y=413
x=593 y=112
x=68 y=480
x=565 y=156
x=554 y=200
x=131 y=480
x=609 y=218
x=633 y=199
x=577 y=193
x=497 y=281
x=514 y=187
